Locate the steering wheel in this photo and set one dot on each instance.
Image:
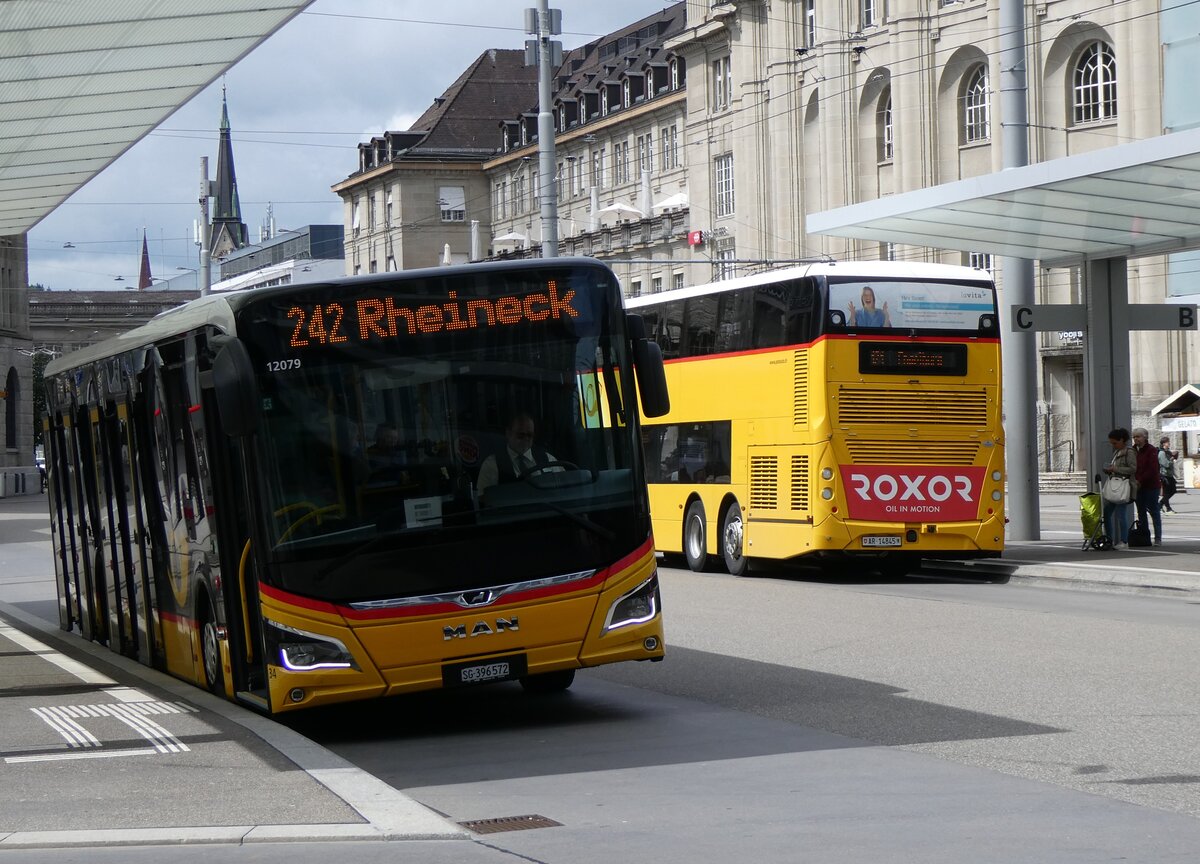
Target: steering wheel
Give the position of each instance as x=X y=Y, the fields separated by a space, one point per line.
x=546 y=466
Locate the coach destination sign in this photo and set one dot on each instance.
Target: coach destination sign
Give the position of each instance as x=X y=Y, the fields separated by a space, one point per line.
x=378 y=318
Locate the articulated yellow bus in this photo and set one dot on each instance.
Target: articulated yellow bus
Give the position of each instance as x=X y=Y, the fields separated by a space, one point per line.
x=275 y=494
x=845 y=412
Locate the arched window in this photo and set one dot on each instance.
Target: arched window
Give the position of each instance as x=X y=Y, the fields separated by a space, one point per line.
x=883 y=120
x=976 y=125
x=1095 y=90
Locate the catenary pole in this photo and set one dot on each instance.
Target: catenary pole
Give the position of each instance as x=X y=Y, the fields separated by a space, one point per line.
x=545 y=23
x=1019 y=348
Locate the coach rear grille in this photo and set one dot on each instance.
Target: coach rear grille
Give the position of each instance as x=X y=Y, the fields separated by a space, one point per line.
x=764 y=482
x=891 y=452
x=912 y=407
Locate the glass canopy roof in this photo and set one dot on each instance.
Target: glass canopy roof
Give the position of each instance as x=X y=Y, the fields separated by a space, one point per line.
x=1131 y=200
x=84 y=80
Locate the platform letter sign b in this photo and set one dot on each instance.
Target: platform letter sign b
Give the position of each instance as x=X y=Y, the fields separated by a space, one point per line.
x=1187 y=317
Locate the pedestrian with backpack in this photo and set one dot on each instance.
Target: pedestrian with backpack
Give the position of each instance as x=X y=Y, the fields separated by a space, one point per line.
x=1166 y=473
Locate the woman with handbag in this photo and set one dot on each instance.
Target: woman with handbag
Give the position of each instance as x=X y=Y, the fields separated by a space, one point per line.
x=1119 y=488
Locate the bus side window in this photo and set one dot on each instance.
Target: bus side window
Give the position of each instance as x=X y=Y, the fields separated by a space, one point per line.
x=770 y=317
x=701 y=316
x=733 y=320
x=801 y=324
x=668 y=329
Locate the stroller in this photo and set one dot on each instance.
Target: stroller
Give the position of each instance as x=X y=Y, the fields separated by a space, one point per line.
x=1091 y=510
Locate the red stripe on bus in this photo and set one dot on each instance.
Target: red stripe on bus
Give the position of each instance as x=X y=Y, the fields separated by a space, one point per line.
x=957 y=340
x=350 y=614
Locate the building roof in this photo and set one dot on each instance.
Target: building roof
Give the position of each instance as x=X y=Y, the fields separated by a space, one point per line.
x=101 y=76
x=624 y=51
x=496 y=86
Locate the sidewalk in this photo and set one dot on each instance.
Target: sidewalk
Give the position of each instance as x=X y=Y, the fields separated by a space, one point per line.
x=99 y=750
x=1059 y=555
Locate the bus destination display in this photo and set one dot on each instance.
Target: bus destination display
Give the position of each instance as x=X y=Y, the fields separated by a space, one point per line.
x=381 y=318
x=892 y=358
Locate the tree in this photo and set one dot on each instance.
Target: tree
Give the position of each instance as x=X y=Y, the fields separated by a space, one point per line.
x=40 y=359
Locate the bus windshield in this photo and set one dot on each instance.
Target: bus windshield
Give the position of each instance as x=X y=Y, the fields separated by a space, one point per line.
x=383 y=406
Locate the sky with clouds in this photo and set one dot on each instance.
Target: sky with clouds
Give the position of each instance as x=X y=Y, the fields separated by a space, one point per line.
x=299 y=105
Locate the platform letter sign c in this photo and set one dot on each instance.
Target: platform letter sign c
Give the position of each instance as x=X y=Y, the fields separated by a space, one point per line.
x=1023 y=316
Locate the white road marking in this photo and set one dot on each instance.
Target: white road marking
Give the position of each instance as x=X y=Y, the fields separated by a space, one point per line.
x=84 y=673
x=91 y=754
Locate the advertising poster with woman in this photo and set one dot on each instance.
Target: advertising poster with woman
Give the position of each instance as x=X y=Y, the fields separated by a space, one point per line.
x=911 y=305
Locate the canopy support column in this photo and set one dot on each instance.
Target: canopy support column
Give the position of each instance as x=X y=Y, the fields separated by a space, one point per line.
x=1105 y=358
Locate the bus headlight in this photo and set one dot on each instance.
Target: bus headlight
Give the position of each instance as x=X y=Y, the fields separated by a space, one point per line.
x=301 y=651
x=637 y=607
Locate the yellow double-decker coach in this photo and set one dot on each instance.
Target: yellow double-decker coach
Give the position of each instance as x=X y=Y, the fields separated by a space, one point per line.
x=841 y=411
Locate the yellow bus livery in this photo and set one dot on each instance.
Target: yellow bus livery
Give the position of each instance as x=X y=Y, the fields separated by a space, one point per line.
x=844 y=413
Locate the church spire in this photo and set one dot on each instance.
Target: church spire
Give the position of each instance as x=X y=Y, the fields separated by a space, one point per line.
x=228 y=230
x=145 y=279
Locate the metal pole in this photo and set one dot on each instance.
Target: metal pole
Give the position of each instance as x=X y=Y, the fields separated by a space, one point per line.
x=1020 y=348
x=205 y=264
x=546 y=151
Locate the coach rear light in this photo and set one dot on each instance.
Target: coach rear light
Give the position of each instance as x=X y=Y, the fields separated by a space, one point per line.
x=637 y=607
x=301 y=651
x=997 y=476
x=826 y=473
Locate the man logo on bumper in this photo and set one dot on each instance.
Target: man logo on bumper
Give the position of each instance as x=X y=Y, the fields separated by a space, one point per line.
x=480 y=628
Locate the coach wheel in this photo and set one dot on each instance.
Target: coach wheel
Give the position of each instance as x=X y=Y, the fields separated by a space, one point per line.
x=695 y=542
x=210 y=649
x=732 y=534
x=548 y=682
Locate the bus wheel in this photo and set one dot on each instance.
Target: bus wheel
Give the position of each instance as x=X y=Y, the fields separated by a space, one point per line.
x=695 y=542
x=732 y=533
x=210 y=649
x=548 y=682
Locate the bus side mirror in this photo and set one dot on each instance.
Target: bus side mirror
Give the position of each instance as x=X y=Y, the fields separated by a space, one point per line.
x=651 y=378
x=648 y=366
x=236 y=389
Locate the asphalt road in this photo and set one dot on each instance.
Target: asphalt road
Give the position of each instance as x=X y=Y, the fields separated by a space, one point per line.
x=911 y=720
x=794 y=719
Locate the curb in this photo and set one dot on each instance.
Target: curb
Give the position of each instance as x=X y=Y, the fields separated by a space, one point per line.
x=388 y=813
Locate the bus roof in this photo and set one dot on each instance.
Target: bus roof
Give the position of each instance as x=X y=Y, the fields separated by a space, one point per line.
x=214 y=309
x=219 y=310
x=850 y=269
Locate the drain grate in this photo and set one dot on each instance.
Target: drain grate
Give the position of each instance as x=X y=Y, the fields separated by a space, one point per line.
x=509 y=823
